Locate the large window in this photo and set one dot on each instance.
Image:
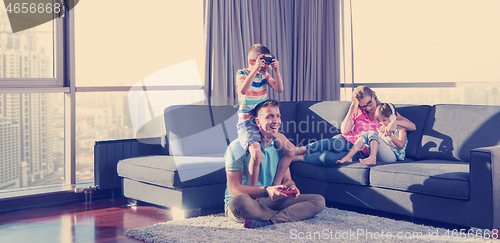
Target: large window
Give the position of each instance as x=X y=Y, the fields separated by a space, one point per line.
x=47 y=138
x=31 y=117
x=127 y=69
x=426 y=51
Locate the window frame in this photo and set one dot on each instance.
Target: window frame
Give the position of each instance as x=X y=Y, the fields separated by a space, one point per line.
x=64 y=83
x=13 y=84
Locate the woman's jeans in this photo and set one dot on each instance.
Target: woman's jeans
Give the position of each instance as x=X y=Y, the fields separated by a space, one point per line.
x=329 y=150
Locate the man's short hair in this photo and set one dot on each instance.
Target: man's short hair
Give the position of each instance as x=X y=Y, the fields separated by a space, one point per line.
x=266 y=103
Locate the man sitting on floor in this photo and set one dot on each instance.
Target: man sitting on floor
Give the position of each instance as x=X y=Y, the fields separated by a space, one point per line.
x=262 y=205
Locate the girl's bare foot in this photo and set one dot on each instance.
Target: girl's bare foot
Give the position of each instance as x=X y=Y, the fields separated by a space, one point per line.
x=343 y=160
x=368 y=161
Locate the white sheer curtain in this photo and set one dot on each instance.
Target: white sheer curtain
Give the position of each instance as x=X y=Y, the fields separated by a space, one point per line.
x=301 y=34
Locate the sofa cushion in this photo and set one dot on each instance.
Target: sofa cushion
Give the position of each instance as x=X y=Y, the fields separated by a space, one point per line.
x=175 y=171
x=318 y=120
x=189 y=127
x=418 y=115
x=432 y=177
x=348 y=173
x=452 y=131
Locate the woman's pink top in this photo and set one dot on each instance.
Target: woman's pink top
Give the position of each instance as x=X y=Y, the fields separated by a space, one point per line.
x=362 y=123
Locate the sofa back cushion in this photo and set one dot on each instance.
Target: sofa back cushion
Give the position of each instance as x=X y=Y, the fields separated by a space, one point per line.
x=226 y=115
x=191 y=130
x=317 y=120
x=418 y=115
x=202 y=129
x=288 y=110
x=452 y=131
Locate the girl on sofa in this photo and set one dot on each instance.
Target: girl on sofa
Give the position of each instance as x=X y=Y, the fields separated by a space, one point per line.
x=389 y=146
x=360 y=118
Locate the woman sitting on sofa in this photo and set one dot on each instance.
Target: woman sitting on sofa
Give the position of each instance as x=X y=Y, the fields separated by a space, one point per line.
x=359 y=119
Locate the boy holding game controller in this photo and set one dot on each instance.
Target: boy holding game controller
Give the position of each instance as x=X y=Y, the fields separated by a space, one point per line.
x=252 y=85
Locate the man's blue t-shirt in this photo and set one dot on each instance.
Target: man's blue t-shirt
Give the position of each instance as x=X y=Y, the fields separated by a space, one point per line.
x=238 y=159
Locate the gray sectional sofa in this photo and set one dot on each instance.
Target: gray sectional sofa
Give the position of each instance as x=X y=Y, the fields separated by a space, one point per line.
x=451 y=173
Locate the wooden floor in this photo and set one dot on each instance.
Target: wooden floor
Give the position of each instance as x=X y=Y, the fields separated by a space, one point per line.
x=101 y=221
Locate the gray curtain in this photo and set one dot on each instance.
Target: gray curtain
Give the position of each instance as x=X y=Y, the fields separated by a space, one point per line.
x=300 y=33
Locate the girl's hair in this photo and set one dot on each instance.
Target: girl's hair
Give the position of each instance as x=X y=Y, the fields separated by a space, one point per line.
x=361 y=91
x=385 y=110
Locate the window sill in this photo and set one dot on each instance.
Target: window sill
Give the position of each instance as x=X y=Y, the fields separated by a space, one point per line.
x=48 y=196
x=40 y=190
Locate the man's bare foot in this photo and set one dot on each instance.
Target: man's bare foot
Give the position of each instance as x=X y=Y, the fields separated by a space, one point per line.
x=298 y=158
x=343 y=160
x=368 y=161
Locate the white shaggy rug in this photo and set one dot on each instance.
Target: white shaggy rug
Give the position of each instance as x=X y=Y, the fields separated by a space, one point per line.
x=330 y=225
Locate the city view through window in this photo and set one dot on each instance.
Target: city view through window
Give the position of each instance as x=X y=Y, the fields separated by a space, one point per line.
x=32 y=135
x=30 y=123
x=32 y=149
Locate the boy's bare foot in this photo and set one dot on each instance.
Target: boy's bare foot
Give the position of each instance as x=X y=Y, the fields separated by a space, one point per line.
x=298 y=158
x=368 y=161
x=343 y=160
x=300 y=150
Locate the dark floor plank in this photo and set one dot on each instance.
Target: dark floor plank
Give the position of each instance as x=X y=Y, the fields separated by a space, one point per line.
x=101 y=221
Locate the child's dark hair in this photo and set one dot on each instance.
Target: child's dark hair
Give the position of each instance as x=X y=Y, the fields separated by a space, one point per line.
x=258 y=49
x=270 y=102
x=385 y=110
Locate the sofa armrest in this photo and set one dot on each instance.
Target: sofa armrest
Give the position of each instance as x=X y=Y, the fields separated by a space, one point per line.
x=485 y=180
x=107 y=154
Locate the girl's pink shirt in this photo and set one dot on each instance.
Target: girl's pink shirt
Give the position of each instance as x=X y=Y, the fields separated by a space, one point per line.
x=362 y=123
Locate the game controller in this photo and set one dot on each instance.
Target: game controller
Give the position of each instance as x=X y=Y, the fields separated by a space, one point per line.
x=268 y=59
x=288 y=191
